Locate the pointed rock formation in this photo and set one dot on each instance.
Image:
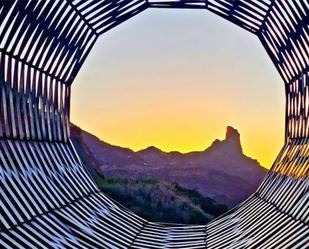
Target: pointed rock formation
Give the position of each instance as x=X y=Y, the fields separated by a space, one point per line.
x=221 y=171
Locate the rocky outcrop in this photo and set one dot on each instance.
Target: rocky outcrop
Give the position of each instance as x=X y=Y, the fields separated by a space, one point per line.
x=221 y=171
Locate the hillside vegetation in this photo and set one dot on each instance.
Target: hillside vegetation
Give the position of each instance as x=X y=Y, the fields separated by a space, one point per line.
x=172 y=187
x=161 y=201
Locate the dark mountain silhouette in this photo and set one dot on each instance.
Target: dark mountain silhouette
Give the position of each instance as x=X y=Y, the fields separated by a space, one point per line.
x=221 y=172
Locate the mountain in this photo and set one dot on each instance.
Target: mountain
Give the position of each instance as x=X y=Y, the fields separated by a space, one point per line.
x=221 y=172
x=160 y=201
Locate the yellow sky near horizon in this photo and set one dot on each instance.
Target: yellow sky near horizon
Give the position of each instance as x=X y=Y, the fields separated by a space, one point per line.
x=176 y=80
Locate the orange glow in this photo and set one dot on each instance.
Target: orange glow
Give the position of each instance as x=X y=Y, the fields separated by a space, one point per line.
x=182 y=119
x=293 y=160
x=152 y=85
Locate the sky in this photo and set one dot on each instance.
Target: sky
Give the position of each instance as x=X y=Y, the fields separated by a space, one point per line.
x=175 y=79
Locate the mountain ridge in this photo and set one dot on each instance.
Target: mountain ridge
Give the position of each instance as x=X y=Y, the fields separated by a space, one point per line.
x=221 y=171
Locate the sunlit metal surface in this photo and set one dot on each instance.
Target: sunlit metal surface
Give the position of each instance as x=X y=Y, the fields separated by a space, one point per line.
x=47 y=198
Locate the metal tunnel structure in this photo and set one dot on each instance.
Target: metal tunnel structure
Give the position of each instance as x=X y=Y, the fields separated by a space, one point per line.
x=48 y=199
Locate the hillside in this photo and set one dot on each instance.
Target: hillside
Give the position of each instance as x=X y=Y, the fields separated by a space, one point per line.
x=221 y=172
x=161 y=201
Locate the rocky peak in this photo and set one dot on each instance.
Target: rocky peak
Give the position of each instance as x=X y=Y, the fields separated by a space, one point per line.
x=232 y=133
x=230 y=145
x=222 y=162
x=232 y=138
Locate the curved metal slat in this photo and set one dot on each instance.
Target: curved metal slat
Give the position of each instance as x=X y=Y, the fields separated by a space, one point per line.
x=48 y=199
